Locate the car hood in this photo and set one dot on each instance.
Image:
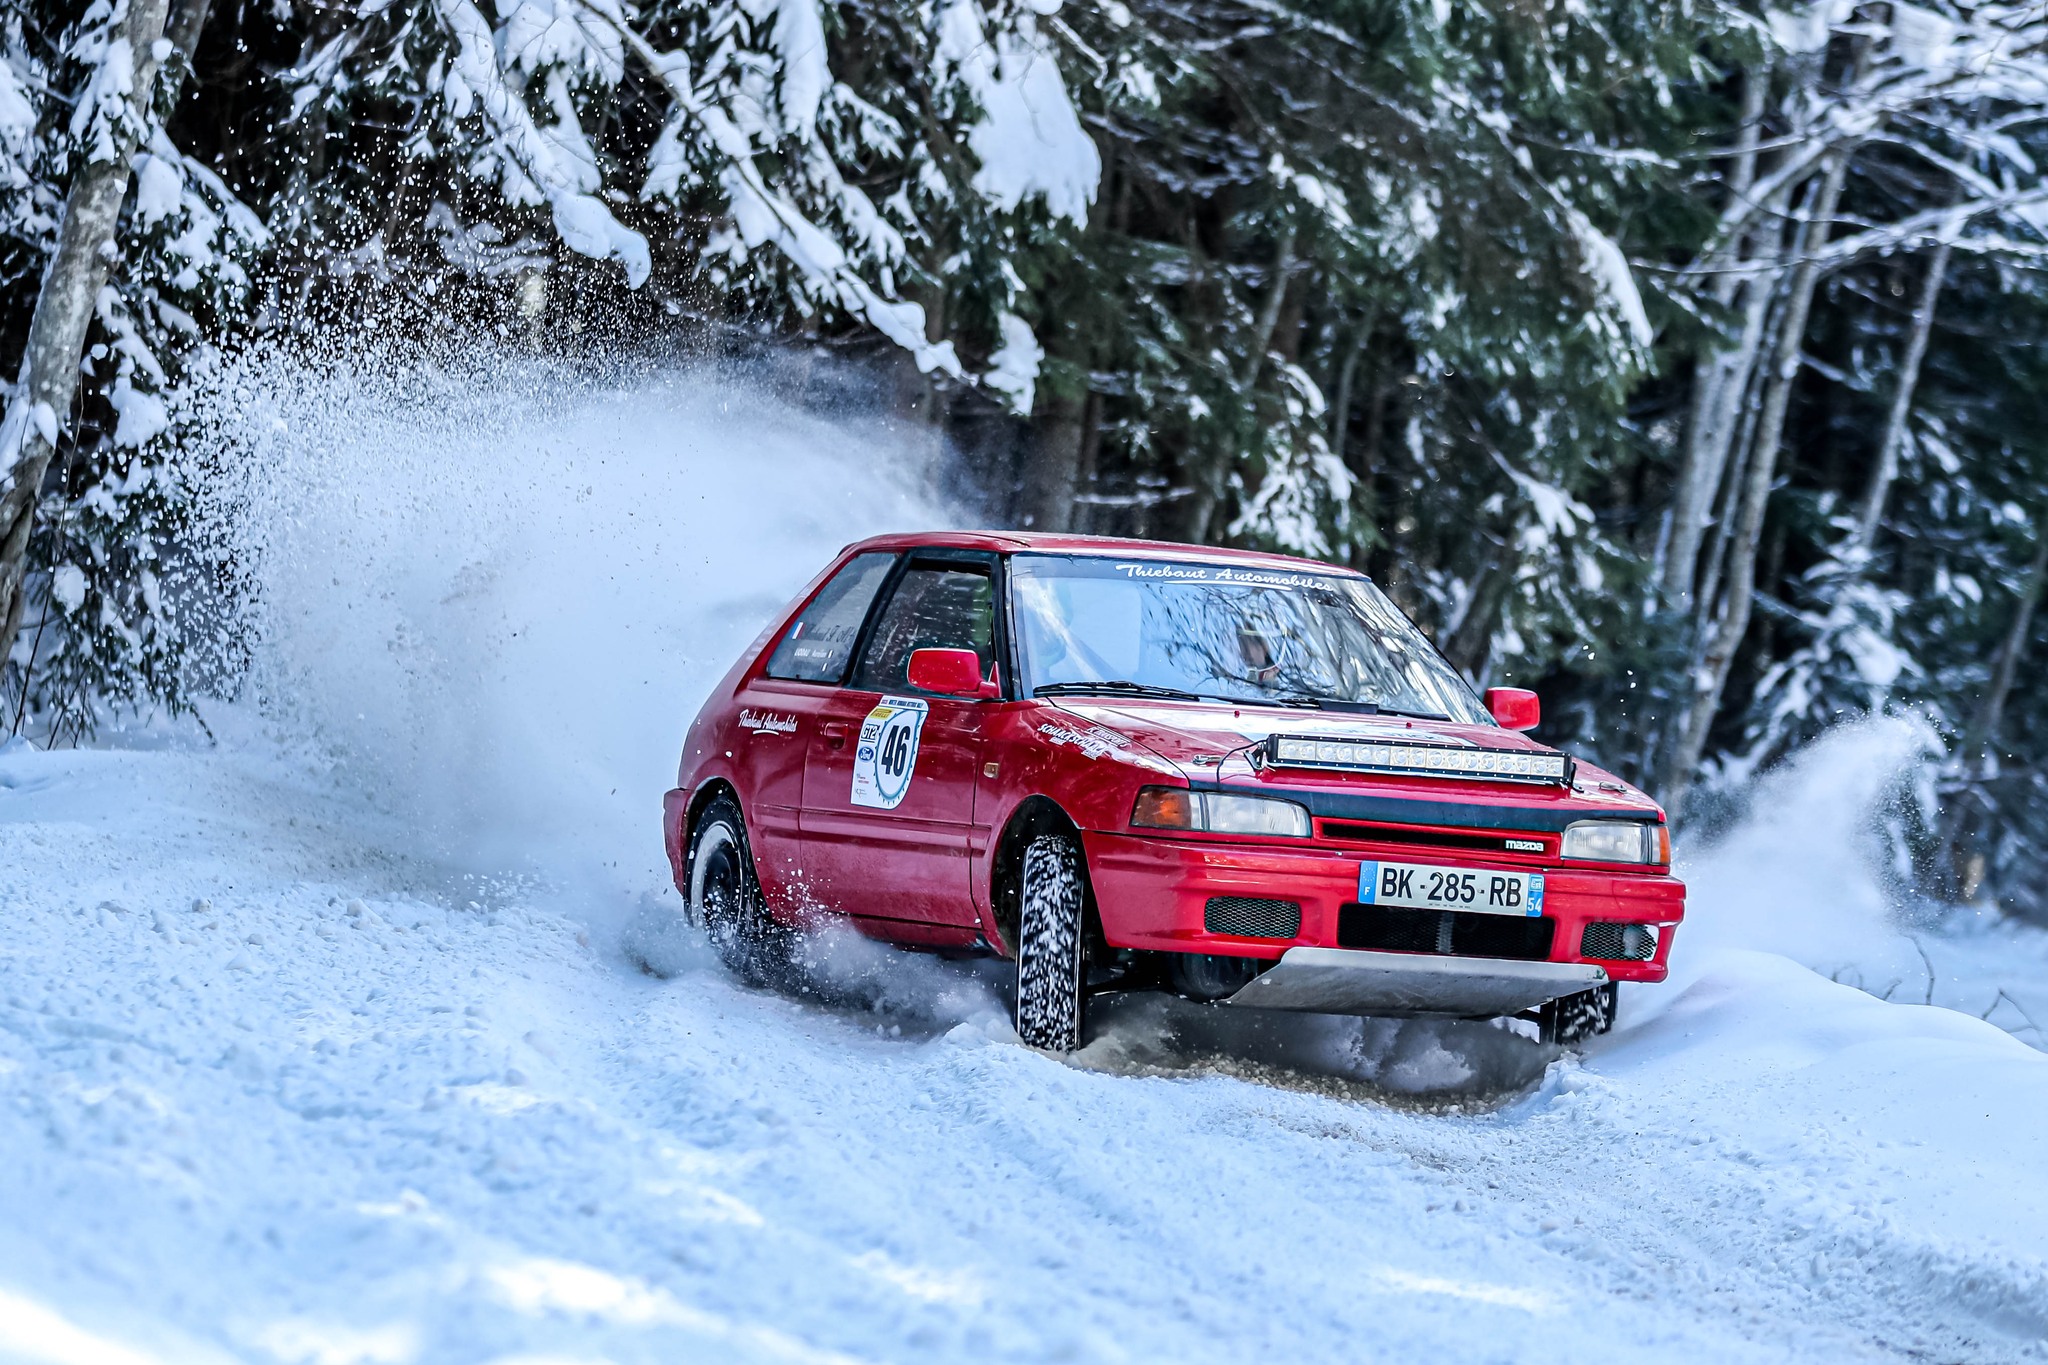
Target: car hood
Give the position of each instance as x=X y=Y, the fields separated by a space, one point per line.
x=1197 y=736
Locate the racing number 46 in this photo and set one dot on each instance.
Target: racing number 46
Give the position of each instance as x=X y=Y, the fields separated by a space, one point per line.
x=895 y=755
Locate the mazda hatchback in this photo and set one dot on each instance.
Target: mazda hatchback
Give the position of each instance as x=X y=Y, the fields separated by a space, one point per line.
x=1245 y=778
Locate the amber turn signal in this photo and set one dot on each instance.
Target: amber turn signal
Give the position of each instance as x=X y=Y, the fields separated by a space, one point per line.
x=1165 y=808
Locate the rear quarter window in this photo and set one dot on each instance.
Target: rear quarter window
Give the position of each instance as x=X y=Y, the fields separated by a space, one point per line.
x=819 y=643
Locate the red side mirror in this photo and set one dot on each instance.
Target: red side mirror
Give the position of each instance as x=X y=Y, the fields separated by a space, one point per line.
x=1514 y=707
x=950 y=673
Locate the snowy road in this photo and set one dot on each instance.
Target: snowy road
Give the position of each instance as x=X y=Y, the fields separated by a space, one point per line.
x=266 y=1093
x=330 y=1054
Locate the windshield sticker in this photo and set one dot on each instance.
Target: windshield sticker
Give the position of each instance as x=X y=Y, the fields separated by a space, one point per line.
x=1220 y=573
x=887 y=756
x=767 y=722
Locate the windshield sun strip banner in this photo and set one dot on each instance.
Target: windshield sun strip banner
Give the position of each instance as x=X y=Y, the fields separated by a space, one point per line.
x=1416 y=760
x=1053 y=565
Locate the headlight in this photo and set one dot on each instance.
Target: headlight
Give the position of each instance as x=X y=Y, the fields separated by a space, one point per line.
x=1618 y=841
x=1218 y=813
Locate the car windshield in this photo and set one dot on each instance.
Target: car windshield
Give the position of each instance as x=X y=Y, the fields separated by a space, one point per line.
x=1240 y=633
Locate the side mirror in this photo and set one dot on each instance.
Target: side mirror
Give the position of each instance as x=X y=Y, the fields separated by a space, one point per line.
x=951 y=673
x=1514 y=707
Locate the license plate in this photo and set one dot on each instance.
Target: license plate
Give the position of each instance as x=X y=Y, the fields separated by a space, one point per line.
x=1418 y=887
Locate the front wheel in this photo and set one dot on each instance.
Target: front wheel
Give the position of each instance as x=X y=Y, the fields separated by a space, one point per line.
x=1577 y=1017
x=725 y=897
x=1050 y=945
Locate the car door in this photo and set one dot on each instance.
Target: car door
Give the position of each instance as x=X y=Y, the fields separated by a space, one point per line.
x=889 y=779
x=780 y=709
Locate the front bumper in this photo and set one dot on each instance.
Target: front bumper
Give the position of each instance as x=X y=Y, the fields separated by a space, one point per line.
x=1354 y=981
x=1151 y=893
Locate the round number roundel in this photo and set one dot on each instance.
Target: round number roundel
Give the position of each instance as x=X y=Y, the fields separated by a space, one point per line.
x=885 y=760
x=896 y=755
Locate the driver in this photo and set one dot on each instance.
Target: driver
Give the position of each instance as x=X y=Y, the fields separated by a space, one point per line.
x=1258 y=653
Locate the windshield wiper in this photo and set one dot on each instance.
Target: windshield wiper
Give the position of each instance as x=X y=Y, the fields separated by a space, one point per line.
x=1279 y=699
x=1122 y=687
x=1113 y=688
x=1358 y=708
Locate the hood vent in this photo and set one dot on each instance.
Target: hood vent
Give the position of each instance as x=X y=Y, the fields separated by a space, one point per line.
x=1337 y=753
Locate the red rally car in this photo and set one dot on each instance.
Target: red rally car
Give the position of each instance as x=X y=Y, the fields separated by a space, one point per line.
x=1243 y=777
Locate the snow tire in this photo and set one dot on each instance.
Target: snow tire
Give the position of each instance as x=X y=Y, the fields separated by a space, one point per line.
x=1575 y=1018
x=1050 y=944
x=725 y=897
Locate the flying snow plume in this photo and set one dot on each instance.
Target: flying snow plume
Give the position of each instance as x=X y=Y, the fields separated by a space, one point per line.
x=1803 y=874
x=492 y=593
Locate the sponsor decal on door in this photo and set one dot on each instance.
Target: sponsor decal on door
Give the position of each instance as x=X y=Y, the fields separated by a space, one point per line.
x=886 y=758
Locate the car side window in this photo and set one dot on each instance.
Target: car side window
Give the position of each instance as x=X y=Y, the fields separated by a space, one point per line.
x=819 y=643
x=933 y=607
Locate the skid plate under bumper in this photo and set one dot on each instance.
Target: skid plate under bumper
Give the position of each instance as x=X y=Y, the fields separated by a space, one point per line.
x=1352 y=981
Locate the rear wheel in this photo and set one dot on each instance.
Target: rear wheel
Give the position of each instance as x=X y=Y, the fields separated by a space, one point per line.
x=1575 y=1018
x=1052 y=904
x=725 y=897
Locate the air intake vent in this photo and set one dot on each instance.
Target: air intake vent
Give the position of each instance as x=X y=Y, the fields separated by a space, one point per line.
x=1249 y=917
x=1452 y=933
x=1606 y=941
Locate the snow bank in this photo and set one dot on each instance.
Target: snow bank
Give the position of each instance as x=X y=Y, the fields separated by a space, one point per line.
x=273 y=1091
x=1806 y=877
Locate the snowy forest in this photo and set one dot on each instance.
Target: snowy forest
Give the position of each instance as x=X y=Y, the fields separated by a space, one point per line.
x=1684 y=362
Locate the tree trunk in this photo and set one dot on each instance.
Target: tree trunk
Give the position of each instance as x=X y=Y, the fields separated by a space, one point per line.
x=1708 y=588
x=1722 y=375
x=1892 y=443
x=1211 y=473
x=1983 y=731
x=1716 y=413
x=78 y=270
x=1082 y=518
x=1269 y=312
x=2005 y=671
x=1046 y=499
x=1340 y=411
x=1710 y=678
x=183 y=29
x=1470 y=642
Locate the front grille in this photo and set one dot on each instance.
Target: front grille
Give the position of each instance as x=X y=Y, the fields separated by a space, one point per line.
x=1453 y=933
x=1251 y=917
x=1436 y=838
x=1607 y=941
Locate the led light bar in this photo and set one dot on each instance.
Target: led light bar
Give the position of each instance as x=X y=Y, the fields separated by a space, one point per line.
x=1421 y=760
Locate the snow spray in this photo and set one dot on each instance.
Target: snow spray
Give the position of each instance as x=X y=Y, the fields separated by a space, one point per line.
x=492 y=591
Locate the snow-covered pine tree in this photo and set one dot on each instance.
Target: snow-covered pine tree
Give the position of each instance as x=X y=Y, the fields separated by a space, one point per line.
x=129 y=249
x=806 y=166
x=802 y=164
x=1347 y=291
